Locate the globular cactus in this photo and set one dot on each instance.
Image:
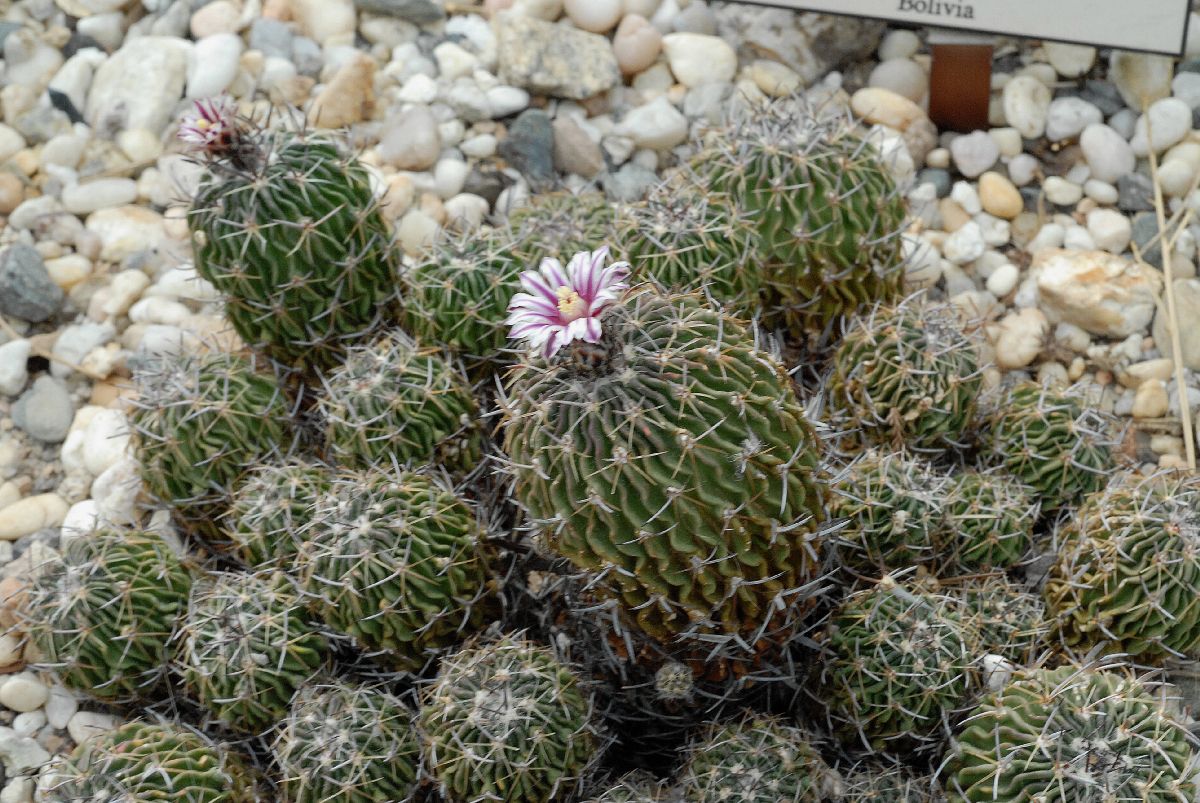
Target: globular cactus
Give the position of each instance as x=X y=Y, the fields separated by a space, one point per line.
x=1074 y=734
x=671 y=459
x=291 y=232
x=988 y=521
x=687 y=239
x=828 y=214
x=347 y=743
x=397 y=561
x=102 y=614
x=907 y=376
x=456 y=294
x=871 y=783
x=1127 y=577
x=505 y=721
x=757 y=760
x=245 y=647
x=561 y=223
x=900 y=665
x=394 y=402
x=892 y=505
x=145 y=761
x=1008 y=620
x=1051 y=442
x=636 y=787
x=270 y=507
x=199 y=424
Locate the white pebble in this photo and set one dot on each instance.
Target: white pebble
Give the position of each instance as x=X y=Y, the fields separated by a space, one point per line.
x=14 y=356
x=1069 y=61
x=449 y=177
x=1003 y=280
x=1049 y=236
x=697 y=59
x=1022 y=169
x=1108 y=154
x=657 y=125
x=597 y=16
x=480 y=146
x=974 y=153
x=902 y=76
x=1168 y=121
x=1020 y=337
x=60 y=706
x=86 y=724
x=1111 y=231
x=1068 y=116
x=1062 y=192
x=466 y=211
x=899 y=44
x=1076 y=238
x=503 y=101
x=11 y=648
x=420 y=88
x=938 y=157
x=104 y=193
x=965 y=195
x=1008 y=140
x=1026 y=104
x=454 y=61
x=29 y=723
x=23 y=692
x=965 y=245
x=105 y=440
x=1100 y=191
x=159 y=310
x=213 y=64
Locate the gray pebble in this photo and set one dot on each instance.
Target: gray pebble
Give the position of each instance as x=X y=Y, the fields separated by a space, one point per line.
x=487 y=183
x=418 y=12
x=938 y=178
x=272 y=37
x=26 y=289
x=629 y=184
x=1102 y=95
x=530 y=147
x=1145 y=229
x=1135 y=193
x=45 y=410
x=307 y=56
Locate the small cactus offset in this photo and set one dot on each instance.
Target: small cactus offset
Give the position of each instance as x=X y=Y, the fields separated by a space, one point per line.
x=346 y=743
x=291 y=233
x=908 y=376
x=1127 y=577
x=989 y=518
x=1007 y=620
x=102 y=615
x=757 y=760
x=245 y=647
x=1074 y=734
x=1051 y=442
x=199 y=424
x=505 y=721
x=148 y=762
x=269 y=509
x=396 y=402
x=397 y=561
x=561 y=223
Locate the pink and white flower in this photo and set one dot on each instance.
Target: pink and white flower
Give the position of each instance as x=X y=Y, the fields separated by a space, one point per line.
x=565 y=305
x=211 y=125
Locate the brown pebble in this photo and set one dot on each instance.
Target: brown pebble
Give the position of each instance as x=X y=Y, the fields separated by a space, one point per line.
x=12 y=192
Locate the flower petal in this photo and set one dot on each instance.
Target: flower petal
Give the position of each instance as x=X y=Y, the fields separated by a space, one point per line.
x=537 y=285
x=552 y=270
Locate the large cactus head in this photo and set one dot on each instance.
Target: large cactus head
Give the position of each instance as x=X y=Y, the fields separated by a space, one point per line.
x=245 y=647
x=102 y=614
x=397 y=561
x=505 y=721
x=270 y=507
x=344 y=743
x=1074 y=734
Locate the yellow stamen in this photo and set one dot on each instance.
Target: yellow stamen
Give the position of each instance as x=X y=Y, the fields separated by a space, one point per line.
x=570 y=304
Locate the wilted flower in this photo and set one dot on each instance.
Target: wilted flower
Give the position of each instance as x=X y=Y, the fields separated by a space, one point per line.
x=211 y=126
x=565 y=305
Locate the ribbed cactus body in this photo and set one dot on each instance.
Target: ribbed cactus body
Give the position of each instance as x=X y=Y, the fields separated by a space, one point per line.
x=989 y=520
x=103 y=614
x=505 y=721
x=889 y=784
x=674 y=459
x=397 y=561
x=299 y=248
x=1008 y=620
x=561 y=223
x=1073 y=734
x=346 y=743
x=270 y=507
x=394 y=402
x=245 y=647
x=636 y=787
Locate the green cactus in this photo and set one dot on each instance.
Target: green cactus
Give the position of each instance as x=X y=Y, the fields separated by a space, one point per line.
x=900 y=663
x=198 y=425
x=1073 y=734
x=687 y=239
x=398 y=562
x=245 y=647
x=102 y=614
x=908 y=376
x=505 y=721
x=893 y=506
x=395 y=402
x=829 y=215
x=456 y=294
x=1127 y=577
x=347 y=744
x=888 y=784
x=757 y=760
x=636 y=787
x=989 y=519
x=674 y=460
x=561 y=223
x=270 y=507
x=145 y=762
x=1051 y=442
x=1008 y=620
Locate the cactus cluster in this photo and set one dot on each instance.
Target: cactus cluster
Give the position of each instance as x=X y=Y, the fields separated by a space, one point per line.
x=269 y=509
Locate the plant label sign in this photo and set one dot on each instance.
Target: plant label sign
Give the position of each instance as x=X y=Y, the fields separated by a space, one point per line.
x=1155 y=26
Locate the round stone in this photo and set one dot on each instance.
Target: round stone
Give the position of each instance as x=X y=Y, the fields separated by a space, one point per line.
x=999 y=197
x=902 y=76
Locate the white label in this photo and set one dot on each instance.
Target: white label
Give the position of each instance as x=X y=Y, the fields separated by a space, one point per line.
x=1157 y=26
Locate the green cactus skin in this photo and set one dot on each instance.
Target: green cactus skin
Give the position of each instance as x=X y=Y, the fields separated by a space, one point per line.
x=829 y=215
x=348 y=744
x=989 y=519
x=1073 y=735
x=892 y=504
x=674 y=459
x=145 y=762
x=299 y=248
x=507 y=722
x=1127 y=577
x=395 y=402
x=199 y=424
x=1050 y=442
x=270 y=507
x=397 y=561
x=1009 y=621
x=689 y=240
x=245 y=647
x=561 y=223
x=908 y=376
x=757 y=760
x=457 y=293
x=900 y=664
x=102 y=615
